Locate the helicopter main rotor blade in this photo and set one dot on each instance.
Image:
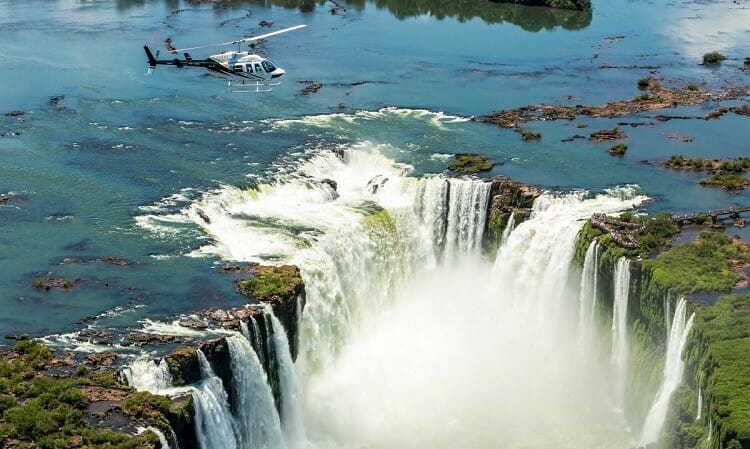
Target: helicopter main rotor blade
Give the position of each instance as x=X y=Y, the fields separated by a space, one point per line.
x=247 y=39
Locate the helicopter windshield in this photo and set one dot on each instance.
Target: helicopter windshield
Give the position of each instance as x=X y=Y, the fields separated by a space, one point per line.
x=268 y=66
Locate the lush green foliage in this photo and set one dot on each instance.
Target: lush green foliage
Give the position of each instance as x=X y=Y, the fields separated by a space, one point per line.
x=47 y=411
x=705 y=265
x=693 y=87
x=719 y=352
x=643 y=83
x=713 y=57
x=470 y=163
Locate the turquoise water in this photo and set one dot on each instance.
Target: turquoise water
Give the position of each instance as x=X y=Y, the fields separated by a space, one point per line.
x=80 y=171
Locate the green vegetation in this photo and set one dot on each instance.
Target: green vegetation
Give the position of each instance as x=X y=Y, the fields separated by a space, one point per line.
x=681 y=430
x=728 y=181
x=713 y=57
x=680 y=162
x=656 y=234
x=618 y=149
x=644 y=97
x=272 y=283
x=726 y=173
x=693 y=87
x=38 y=410
x=643 y=83
x=708 y=264
x=530 y=135
x=718 y=353
x=470 y=163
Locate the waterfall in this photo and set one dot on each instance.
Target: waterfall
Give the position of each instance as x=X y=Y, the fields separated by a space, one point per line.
x=431 y=206
x=508 y=227
x=255 y=414
x=699 y=413
x=464 y=356
x=620 y=329
x=587 y=297
x=165 y=444
x=147 y=375
x=291 y=410
x=467 y=207
x=399 y=351
x=213 y=420
x=673 y=367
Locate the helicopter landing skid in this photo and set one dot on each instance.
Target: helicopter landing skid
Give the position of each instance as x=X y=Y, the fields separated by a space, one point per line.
x=256 y=87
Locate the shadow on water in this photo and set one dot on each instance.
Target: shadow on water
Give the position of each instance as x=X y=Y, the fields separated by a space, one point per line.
x=529 y=18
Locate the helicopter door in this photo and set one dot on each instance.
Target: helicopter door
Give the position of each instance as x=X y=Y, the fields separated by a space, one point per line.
x=259 y=70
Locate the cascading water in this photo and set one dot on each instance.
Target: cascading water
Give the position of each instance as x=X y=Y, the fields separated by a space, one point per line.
x=213 y=420
x=462 y=359
x=673 y=368
x=508 y=227
x=699 y=413
x=398 y=351
x=146 y=375
x=467 y=203
x=257 y=422
x=291 y=410
x=619 y=356
x=587 y=297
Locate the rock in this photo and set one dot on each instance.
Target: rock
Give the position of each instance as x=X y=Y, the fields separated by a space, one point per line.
x=114 y=260
x=143 y=338
x=15 y=113
x=281 y=287
x=55 y=101
x=192 y=323
x=656 y=97
x=217 y=353
x=184 y=367
x=101 y=359
x=50 y=282
x=203 y=216
x=311 y=88
x=607 y=134
x=506 y=197
x=330 y=182
x=265 y=23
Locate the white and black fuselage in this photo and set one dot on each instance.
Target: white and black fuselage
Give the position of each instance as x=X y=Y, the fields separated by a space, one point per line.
x=229 y=64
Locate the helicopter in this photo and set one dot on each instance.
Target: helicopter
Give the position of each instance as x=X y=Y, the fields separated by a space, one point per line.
x=243 y=67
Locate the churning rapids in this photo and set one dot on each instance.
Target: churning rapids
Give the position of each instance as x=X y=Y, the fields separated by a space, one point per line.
x=411 y=337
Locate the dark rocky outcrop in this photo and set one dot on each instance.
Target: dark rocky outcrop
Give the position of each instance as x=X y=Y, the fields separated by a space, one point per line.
x=506 y=197
x=281 y=287
x=184 y=367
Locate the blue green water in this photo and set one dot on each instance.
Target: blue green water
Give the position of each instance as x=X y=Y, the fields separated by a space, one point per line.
x=80 y=171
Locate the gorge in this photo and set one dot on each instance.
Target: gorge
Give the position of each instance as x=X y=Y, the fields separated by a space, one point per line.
x=433 y=312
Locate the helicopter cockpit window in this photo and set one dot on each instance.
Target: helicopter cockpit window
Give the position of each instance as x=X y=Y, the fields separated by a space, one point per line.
x=268 y=65
x=238 y=68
